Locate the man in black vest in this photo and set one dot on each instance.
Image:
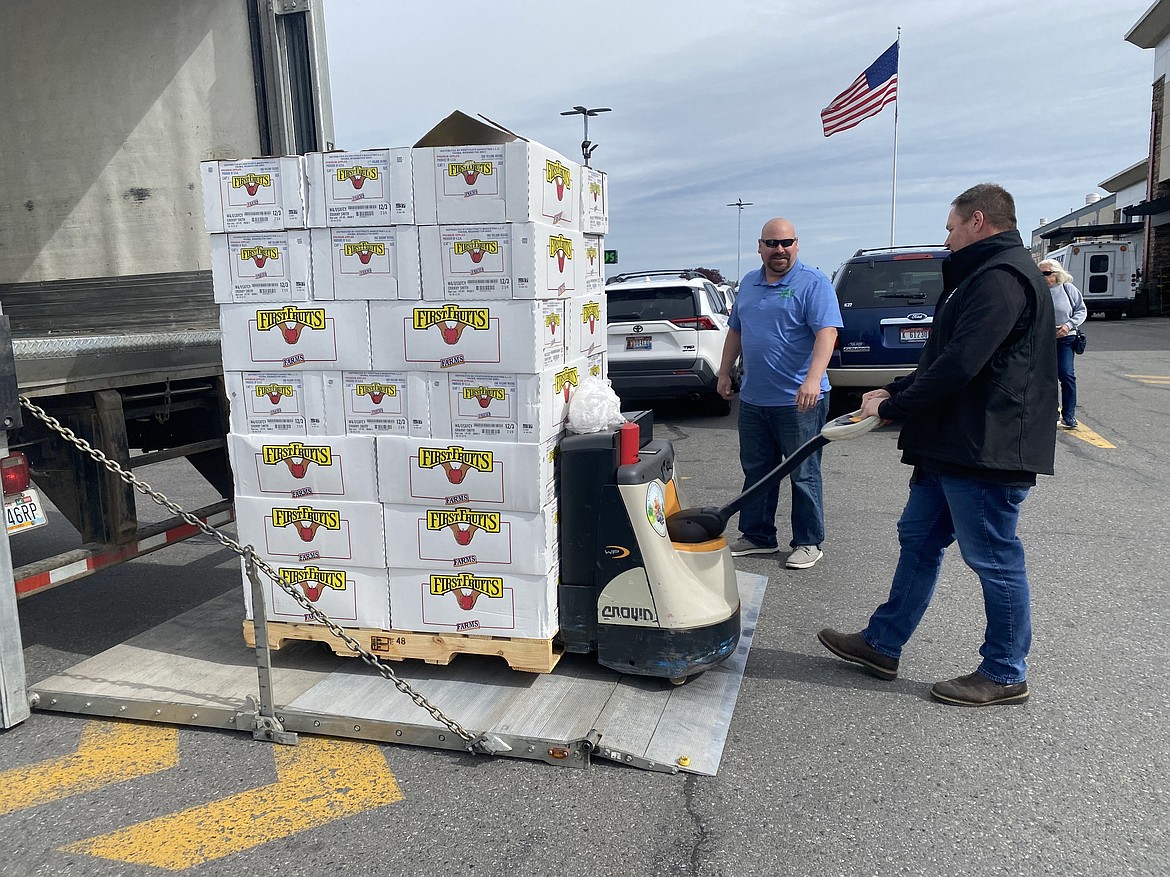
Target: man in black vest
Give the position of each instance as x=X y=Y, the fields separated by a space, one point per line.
x=979 y=418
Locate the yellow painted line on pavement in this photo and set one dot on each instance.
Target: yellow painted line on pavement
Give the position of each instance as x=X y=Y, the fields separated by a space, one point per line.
x=318 y=781
x=1085 y=434
x=108 y=752
x=1155 y=380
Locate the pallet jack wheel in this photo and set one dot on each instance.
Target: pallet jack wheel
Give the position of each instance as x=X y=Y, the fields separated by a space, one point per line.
x=680 y=680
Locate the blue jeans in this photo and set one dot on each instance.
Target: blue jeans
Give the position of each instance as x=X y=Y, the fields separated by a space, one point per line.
x=767 y=435
x=1065 y=357
x=982 y=516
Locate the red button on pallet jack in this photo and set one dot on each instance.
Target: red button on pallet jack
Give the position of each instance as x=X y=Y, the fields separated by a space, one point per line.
x=628 y=439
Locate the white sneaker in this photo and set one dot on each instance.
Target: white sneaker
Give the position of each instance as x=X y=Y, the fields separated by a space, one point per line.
x=804 y=556
x=745 y=546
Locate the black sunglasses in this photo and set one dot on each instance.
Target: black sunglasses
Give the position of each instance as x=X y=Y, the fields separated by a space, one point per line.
x=773 y=243
x=1047 y=273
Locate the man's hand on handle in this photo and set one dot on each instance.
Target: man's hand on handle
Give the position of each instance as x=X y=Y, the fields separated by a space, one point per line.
x=870 y=402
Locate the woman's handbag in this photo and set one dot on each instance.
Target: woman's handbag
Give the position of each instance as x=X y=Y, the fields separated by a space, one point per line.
x=1079 y=342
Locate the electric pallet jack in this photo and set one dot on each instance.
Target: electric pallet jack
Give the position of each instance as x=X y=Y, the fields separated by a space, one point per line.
x=646 y=584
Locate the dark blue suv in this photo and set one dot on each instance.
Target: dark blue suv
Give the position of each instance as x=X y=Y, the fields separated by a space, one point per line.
x=887 y=297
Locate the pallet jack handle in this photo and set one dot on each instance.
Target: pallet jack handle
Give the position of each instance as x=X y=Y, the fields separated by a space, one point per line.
x=703 y=524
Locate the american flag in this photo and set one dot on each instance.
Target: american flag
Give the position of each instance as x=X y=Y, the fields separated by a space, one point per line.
x=870 y=91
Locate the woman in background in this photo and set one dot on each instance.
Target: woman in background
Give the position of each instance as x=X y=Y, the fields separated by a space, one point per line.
x=1070 y=309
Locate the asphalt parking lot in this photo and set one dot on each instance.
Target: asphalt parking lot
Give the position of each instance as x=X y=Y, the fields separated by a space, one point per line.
x=825 y=771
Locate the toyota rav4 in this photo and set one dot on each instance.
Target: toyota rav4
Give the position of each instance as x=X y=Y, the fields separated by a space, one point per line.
x=666 y=332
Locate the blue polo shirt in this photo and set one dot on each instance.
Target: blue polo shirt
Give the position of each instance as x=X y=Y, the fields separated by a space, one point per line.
x=777 y=323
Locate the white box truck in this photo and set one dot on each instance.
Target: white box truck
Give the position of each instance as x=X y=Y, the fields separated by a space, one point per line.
x=106 y=306
x=1106 y=273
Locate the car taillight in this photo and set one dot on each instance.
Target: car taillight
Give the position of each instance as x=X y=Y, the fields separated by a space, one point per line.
x=14 y=473
x=695 y=323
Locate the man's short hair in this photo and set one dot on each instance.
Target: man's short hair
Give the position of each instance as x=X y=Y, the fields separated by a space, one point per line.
x=993 y=201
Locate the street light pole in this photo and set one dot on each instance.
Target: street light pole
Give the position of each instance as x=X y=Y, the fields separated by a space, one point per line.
x=586 y=147
x=741 y=204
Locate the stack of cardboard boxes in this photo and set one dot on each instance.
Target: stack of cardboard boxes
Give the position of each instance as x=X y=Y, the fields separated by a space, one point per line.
x=403 y=330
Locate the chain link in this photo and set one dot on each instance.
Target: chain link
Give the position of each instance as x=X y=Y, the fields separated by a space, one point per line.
x=143 y=487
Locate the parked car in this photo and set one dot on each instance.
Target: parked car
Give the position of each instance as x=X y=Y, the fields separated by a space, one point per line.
x=887 y=297
x=665 y=337
x=728 y=293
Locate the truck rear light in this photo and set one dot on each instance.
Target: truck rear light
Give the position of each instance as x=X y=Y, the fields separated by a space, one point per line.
x=14 y=473
x=695 y=323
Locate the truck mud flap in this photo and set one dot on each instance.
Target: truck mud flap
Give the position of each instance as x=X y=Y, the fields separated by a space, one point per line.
x=196 y=670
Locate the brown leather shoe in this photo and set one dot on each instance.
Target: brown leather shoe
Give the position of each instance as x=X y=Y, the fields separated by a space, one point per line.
x=976 y=689
x=853 y=647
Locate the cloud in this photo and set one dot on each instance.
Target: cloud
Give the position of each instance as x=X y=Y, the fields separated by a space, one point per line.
x=718 y=101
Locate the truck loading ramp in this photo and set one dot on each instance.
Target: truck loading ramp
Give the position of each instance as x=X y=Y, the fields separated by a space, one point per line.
x=195 y=670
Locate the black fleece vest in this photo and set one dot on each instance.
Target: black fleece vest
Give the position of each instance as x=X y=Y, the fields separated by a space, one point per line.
x=1005 y=418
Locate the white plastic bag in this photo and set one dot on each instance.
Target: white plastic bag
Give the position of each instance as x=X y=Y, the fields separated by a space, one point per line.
x=595 y=406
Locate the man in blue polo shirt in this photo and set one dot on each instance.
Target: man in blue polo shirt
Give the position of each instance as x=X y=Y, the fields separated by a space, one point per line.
x=784 y=325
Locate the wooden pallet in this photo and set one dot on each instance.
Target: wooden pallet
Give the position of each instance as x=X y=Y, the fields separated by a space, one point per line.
x=525 y=655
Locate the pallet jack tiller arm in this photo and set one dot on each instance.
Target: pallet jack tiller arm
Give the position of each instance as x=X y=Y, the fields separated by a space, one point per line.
x=702 y=524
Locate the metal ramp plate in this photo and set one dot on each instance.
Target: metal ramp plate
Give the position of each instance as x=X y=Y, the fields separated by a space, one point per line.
x=196 y=670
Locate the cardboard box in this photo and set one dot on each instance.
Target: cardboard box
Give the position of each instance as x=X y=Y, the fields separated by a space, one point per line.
x=449 y=601
x=368 y=187
x=507 y=260
x=377 y=403
x=594 y=265
x=261 y=266
x=594 y=201
x=313 y=530
x=366 y=263
x=331 y=467
x=503 y=406
x=278 y=403
x=253 y=194
x=351 y=596
x=463 y=537
x=496 y=336
x=596 y=365
x=587 y=329
x=466 y=170
x=299 y=335
x=437 y=472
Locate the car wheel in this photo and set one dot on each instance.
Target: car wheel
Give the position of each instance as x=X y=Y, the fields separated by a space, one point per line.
x=715 y=405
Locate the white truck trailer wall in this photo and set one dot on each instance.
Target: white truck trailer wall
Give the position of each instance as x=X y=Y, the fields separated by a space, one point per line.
x=106 y=110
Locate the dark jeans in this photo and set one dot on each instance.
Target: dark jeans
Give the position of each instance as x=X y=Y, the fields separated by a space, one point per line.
x=983 y=517
x=1065 y=357
x=766 y=437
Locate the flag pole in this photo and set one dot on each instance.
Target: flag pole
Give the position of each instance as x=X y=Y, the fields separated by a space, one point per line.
x=894 y=181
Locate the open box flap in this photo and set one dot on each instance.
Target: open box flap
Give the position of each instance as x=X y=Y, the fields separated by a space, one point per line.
x=460 y=129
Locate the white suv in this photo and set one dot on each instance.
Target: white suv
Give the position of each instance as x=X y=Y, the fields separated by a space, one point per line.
x=666 y=333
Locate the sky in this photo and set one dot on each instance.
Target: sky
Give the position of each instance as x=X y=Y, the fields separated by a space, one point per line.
x=715 y=101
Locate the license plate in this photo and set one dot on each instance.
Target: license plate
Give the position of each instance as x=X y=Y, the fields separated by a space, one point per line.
x=640 y=342
x=24 y=512
x=909 y=334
